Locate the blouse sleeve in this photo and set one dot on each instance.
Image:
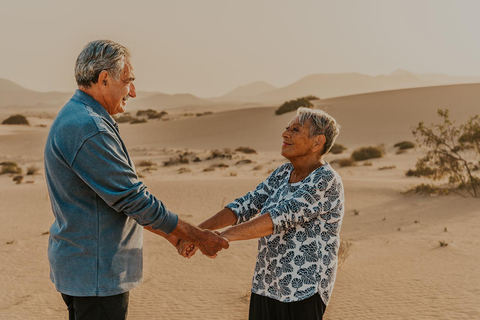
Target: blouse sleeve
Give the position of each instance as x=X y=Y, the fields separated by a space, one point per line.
x=322 y=198
x=249 y=205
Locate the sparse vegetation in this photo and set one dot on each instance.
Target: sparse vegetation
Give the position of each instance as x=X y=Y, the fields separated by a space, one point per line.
x=337 y=148
x=183 y=170
x=244 y=161
x=32 y=170
x=443 y=243
x=18 y=179
x=293 y=105
x=146 y=163
x=246 y=150
x=16 y=119
x=10 y=167
x=404 y=145
x=346 y=162
x=222 y=154
x=366 y=153
x=343 y=252
x=452 y=153
x=387 y=168
x=428 y=189
x=151 y=114
x=135 y=121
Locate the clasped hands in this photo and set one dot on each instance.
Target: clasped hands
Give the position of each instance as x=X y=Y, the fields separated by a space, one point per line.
x=187 y=249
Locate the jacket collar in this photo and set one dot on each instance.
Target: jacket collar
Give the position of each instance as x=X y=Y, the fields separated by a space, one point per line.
x=88 y=100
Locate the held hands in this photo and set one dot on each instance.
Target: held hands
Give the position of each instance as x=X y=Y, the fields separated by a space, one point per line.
x=210 y=242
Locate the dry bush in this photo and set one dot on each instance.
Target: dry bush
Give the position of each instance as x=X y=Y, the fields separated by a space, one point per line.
x=387 y=168
x=222 y=154
x=10 y=167
x=183 y=170
x=135 y=121
x=451 y=152
x=343 y=252
x=146 y=163
x=346 y=162
x=366 y=153
x=244 y=161
x=32 y=170
x=18 y=179
x=16 y=119
x=404 y=145
x=337 y=149
x=428 y=189
x=367 y=164
x=246 y=150
x=124 y=118
x=259 y=167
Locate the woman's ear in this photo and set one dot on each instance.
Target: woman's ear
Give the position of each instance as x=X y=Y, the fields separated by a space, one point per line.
x=320 y=141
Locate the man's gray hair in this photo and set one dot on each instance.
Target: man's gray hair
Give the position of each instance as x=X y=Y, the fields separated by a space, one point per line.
x=97 y=56
x=320 y=122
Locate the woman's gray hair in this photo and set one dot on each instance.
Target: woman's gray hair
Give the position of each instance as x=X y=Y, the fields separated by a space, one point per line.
x=320 y=122
x=98 y=56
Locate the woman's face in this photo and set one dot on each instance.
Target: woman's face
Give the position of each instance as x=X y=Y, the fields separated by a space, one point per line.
x=297 y=143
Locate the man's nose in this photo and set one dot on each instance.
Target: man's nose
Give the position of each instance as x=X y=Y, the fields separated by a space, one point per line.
x=133 y=92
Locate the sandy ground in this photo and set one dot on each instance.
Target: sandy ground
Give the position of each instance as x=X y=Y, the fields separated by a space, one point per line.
x=395 y=268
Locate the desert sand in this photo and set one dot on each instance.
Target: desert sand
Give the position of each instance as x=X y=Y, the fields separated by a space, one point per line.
x=395 y=267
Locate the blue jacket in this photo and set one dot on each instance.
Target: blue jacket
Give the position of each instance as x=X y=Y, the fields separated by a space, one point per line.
x=95 y=246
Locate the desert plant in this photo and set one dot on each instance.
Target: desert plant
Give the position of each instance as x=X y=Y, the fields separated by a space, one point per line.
x=32 y=170
x=124 y=118
x=346 y=162
x=366 y=153
x=427 y=189
x=404 y=145
x=146 y=163
x=10 y=167
x=293 y=105
x=136 y=120
x=16 y=119
x=337 y=148
x=246 y=150
x=450 y=152
x=343 y=252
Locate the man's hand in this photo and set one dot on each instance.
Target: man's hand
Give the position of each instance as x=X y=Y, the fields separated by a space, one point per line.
x=186 y=249
x=210 y=243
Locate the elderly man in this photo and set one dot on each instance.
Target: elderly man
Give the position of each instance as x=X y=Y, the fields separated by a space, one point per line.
x=95 y=246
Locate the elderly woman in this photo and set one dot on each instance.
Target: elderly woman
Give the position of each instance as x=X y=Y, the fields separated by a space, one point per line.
x=300 y=209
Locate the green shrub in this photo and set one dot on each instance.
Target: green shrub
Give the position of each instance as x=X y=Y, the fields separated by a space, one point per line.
x=16 y=119
x=404 y=145
x=366 y=153
x=293 y=105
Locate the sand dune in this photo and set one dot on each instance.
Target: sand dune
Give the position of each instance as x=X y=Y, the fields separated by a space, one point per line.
x=395 y=269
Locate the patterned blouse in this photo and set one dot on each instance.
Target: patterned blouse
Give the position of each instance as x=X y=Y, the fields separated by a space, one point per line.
x=300 y=258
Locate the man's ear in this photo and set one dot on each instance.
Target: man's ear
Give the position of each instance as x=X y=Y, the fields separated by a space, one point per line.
x=103 y=78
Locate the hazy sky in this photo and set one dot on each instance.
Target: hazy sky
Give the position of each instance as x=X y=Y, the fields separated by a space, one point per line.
x=209 y=47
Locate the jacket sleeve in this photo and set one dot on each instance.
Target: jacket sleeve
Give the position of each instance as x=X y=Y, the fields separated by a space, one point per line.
x=103 y=165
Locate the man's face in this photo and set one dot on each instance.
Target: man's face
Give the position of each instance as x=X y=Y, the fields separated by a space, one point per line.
x=118 y=92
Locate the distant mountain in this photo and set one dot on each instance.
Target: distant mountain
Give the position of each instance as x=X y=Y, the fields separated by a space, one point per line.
x=327 y=86
x=166 y=101
x=334 y=85
x=251 y=89
x=15 y=96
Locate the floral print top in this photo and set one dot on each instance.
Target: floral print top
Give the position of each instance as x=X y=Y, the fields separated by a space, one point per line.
x=300 y=258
